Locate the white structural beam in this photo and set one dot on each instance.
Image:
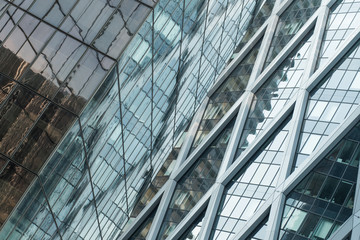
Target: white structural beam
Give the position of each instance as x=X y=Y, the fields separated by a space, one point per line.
x=297 y=105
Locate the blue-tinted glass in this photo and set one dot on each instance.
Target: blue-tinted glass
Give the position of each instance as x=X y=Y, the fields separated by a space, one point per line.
x=323 y=200
x=290 y=22
x=342 y=20
x=329 y=104
x=226 y=95
x=252 y=186
x=196 y=182
x=272 y=97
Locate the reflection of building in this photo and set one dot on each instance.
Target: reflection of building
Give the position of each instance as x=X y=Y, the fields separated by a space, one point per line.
x=179 y=119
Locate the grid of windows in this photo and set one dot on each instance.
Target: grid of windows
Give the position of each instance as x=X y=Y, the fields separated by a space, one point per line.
x=342 y=21
x=271 y=98
x=252 y=186
x=329 y=104
x=290 y=22
x=145 y=196
x=110 y=155
x=322 y=201
x=263 y=10
x=56 y=55
x=196 y=182
x=225 y=96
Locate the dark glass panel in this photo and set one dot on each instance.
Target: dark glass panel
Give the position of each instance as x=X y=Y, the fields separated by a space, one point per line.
x=6 y=86
x=17 y=116
x=192 y=233
x=262 y=12
x=331 y=196
x=290 y=22
x=44 y=137
x=144 y=228
x=56 y=61
x=14 y=181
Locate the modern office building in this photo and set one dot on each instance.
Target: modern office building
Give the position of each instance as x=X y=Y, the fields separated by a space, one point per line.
x=179 y=119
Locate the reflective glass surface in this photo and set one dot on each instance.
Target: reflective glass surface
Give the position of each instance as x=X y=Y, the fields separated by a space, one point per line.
x=262 y=12
x=329 y=104
x=324 y=199
x=144 y=228
x=211 y=65
x=14 y=180
x=271 y=98
x=252 y=185
x=342 y=20
x=290 y=22
x=32 y=218
x=192 y=233
x=196 y=182
x=95 y=97
x=149 y=190
x=260 y=231
x=128 y=92
x=226 y=95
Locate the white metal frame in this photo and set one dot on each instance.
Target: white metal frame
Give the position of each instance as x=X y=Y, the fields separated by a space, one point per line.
x=297 y=105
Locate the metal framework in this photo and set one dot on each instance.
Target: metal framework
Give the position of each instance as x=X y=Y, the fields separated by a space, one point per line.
x=297 y=105
x=152 y=71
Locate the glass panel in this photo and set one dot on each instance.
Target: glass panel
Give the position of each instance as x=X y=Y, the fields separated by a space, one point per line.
x=31 y=219
x=210 y=62
x=262 y=12
x=6 y=86
x=51 y=11
x=8 y=20
x=51 y=68
x=290 y=22
x=87 y=18
x=226 y=95
x=271 y=98
x=234 y=27
x=44 y=137
x=192 y=233
x=144 y=228
x=120 y=28
x=67 y=184
x=329 y=104
x=195 y=182
x=83 y=81
x=18 y=115
x=342 y=20
x=14 y=180
x=59 y=66
x=145 y=195
x=252 y=185
x=260 y=231
x=324 y=199
x=22 y=45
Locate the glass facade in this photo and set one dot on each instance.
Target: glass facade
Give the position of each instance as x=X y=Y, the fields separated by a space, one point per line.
x=152 y=119
x=252 y=186
x=324 y=199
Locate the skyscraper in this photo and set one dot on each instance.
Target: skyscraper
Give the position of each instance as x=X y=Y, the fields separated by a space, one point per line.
x=179 y=119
